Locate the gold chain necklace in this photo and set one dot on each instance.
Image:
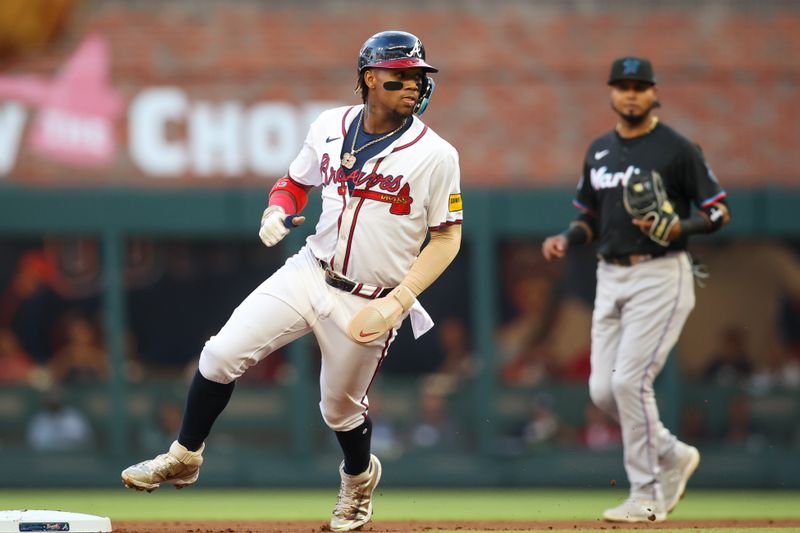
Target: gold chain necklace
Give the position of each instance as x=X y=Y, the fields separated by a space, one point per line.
x=349 y=158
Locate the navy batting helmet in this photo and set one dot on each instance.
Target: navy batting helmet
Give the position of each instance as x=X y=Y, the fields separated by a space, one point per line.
x=397 y=49
x=393 y=49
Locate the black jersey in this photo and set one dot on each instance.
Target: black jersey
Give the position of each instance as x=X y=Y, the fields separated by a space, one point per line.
x=611 y=160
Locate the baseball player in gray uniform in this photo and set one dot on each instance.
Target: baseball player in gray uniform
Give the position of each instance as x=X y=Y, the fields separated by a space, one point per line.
x=635 y=198
x=387 y=180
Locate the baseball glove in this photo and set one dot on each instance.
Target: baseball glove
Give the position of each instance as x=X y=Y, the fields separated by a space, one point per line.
x=645 y=198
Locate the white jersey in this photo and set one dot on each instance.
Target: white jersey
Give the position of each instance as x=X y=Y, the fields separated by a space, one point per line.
x=374 y=234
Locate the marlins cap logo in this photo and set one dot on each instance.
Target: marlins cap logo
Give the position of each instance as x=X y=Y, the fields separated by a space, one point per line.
x=630 y=66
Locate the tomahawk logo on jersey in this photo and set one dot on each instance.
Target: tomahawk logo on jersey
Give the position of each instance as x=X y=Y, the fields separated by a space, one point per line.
x=375 y=232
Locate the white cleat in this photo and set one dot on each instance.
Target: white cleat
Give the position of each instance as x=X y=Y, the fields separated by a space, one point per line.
x=354 y=506
x=673 y=480
x=636 y=510
x=178 y=466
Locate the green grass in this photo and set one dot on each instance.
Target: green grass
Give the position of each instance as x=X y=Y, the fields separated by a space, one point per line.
x=391 y=504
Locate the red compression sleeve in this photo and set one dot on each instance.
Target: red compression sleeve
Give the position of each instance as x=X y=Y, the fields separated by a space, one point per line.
x=289 y=195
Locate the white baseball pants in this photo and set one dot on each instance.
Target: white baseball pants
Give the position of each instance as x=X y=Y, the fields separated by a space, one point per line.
x=294 y=301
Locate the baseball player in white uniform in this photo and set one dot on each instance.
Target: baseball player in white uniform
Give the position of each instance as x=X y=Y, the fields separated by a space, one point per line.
x=386 y=179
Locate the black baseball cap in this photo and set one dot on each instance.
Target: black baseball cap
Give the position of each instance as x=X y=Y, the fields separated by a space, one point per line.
x=631 y=68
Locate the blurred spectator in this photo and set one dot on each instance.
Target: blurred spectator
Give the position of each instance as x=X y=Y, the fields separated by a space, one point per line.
x=599 y=432
x=571 y=330
x=82 y=356
x=547 y=332
x=577 y=368
x=190 y=275
x=730 y=364
x=385 y=439
x=454 y=340
x=693 y=424
x=791 y=369
x=523 y=343
x=31 y=302
x=15 y=364
x=59 y=427
x=778 y=367
x=740 y=428
x=435 y=426
x=543 y=425
x=164 y=429
x=529 y=367
x=134 y=369
x=750 y=283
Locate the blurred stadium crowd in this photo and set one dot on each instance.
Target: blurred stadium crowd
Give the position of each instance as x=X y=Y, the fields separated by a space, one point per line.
x=740 y=368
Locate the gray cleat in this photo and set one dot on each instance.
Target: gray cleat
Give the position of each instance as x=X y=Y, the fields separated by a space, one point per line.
x=673 y=480
x=636 y=510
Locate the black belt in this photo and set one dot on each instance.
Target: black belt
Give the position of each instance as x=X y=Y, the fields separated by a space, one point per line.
x=363 y=290
x=630 y=260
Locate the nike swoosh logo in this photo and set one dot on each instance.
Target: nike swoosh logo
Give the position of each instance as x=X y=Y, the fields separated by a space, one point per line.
x=601 y=154
x=330 y=139
x=362 y=334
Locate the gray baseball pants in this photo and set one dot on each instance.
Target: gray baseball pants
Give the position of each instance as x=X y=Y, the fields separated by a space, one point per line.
x=639 y=313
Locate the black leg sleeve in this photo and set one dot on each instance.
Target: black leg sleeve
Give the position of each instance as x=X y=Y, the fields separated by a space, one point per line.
x=355 y=445
x=204 y=403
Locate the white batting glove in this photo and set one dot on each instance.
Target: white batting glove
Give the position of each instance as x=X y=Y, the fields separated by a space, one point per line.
x=273 y=225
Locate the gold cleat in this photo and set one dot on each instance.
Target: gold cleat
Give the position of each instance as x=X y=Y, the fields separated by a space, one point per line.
x=179 y=466
x=354 y=506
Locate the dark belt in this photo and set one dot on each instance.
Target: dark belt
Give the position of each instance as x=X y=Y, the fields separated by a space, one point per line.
x=629 y=260
x=363 y=290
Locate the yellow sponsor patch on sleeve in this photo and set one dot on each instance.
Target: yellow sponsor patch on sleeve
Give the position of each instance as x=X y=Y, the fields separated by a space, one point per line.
x=455 y=203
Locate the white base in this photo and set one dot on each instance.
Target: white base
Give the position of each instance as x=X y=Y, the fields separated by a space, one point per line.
x=21 y=520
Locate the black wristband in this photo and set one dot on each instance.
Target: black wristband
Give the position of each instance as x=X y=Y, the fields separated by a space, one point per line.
x=575 y=234
x=695 y=224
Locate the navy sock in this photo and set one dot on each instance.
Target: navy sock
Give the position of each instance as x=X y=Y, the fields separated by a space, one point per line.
x=204 y=403
x=355 y=445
